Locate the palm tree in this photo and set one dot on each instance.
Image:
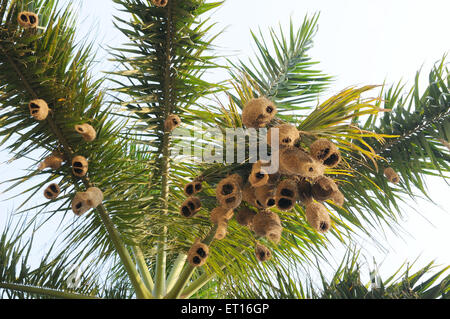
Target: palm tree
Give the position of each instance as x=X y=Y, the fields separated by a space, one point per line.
x=136 y=184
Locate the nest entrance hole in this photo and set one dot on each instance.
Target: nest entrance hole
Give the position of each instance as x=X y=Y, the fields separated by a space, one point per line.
x=201 y=252
x=227 y=189
x=284 y=203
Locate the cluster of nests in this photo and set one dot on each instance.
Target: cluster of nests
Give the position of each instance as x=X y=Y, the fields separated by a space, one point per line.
x=83 y=201
x=300 y=179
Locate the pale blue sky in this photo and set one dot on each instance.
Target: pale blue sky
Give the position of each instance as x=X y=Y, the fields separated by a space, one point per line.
x=359 y=42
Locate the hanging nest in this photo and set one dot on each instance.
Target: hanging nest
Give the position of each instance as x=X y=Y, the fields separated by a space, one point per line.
x=391 y=175
x=287 y=135
x=79 y=166
x=52 y=161
x=190 y=206
x=318 y=217
x=324 y=188
x=86 y=131
x=258 y=176
x=265 y=196
x=229 y=191
x=220 y=213
x=84 y=201
x=325 y=152
x=244 y=216
x=198 y=254
x=52 y=191
x=38 y=109
x=221 y=231
x=262 y=253
x=267 y=224
x=294 y=161
x=248 y=194
x=258 y=112
x=193 y=188
x=304 y=190
x=172 y=122
x=160 y=3
x=286 y=194
x=338 y=198
x=28 y=20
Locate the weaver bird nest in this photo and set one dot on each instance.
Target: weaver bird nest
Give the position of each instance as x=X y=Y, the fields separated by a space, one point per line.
x=256 y=193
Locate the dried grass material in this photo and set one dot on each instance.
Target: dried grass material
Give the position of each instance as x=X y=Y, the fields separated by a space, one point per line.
x=287 y=135
x=338 y=198
x=38 y=109
x=258 y=176
x=52 y=191
x=294 y=161
x=262 y=253
x=324 y=188
x=248 y=194
x=198 y=254
x=79 y=166
x=258 y=112
x=190 y=206
x=265 y=196
x=84 y=201
x=52 y=161
x=286 y=194
x=391 y=175
x=267 y=224
x=304 y=191
x=318 y=217
x=86 y=131
x=172 y=122
x=244 y=216
x=219 y=214
x=28 y=20
x=221 y=231
x=229 y=191
x=160 y=3
x=193 y=188
x=325 y=152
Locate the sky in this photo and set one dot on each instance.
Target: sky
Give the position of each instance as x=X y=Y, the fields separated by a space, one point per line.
x=358 y=42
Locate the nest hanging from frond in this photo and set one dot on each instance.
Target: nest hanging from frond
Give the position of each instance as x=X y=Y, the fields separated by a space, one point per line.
x=262 y=252
x=294 y=161
x=52 y=191
x=259 y=176
x=287 y=135
x=324 y=188
x=391 y=175
x=318 y=217
x=172 y=121
x=326 y=152
x=38 y=109
x=229 y=191
x=52 y=161
x=190 y=206
x=265 y=196
x=83 y=201
x=244 y=216
x=28 y=20
x=220 y=213
x=267 y=224
x=258 y=112
x=192 y=188
x=198 y=254
x=286 y=194
x=86 y=131
x=79 y=166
